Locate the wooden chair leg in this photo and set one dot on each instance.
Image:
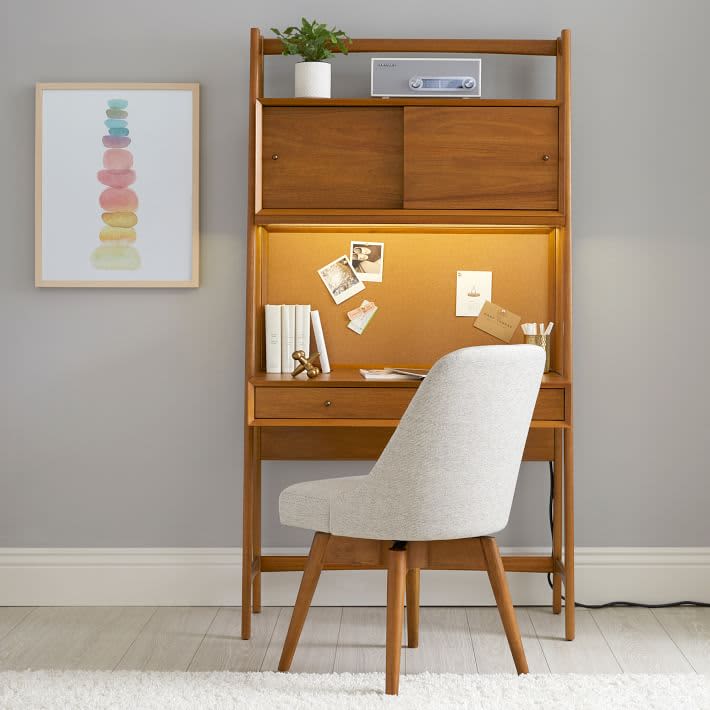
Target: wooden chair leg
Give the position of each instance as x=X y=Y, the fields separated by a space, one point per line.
x=496 y=575
x=396 y=574
x=311 y=574
x=413 y=608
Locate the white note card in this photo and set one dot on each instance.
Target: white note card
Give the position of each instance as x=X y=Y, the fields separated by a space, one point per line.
x=473 y=289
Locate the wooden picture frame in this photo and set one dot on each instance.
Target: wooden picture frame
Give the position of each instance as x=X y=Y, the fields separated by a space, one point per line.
x=84 y=215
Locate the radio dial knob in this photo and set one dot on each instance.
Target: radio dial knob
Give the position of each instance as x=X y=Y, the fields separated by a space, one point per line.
x=468 y=83
x=415 y=82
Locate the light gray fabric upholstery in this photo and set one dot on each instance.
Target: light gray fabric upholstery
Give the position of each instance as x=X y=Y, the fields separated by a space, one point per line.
x=449 y=471
x=307 y=505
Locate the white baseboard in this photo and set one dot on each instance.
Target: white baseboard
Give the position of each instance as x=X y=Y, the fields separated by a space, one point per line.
x=212 y=577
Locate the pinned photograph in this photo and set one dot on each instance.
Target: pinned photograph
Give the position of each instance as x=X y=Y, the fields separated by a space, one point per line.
x=340 y=279
x=473 y=289
x=368 y=259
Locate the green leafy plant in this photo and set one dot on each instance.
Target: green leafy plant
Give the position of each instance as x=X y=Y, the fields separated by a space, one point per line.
x=312 y=40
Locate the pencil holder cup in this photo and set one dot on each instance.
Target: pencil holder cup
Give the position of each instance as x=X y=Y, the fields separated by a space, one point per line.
x=544 y=342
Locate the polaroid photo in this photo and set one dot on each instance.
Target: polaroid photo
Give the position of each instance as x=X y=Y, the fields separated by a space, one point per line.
x=340 y=279
x=368 y=259
x=473 y=289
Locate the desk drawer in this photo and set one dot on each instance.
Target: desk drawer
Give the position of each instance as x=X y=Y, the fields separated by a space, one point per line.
x=365 y=403
x=331 y=402
x=550 y=405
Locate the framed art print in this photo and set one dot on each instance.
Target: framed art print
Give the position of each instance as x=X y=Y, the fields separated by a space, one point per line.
x=117 y=185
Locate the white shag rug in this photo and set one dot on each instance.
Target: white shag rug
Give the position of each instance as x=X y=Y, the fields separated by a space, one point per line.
x=79 y=690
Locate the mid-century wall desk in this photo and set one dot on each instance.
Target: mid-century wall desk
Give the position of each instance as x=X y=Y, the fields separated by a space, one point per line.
x=446 y=184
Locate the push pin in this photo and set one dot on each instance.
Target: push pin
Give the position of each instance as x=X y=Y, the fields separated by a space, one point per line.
x=305 y=364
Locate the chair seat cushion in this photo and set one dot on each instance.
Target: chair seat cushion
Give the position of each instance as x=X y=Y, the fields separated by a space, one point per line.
x=308 y=504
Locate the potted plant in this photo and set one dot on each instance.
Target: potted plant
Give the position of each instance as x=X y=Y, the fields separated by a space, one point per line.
x=315 y=43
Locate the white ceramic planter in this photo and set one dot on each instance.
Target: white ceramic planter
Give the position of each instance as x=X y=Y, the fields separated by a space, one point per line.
x=313 y=79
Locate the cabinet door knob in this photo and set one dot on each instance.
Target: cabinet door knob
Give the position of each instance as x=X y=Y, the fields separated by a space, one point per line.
x=275 y=156
x=546 y=157
x=327 y=403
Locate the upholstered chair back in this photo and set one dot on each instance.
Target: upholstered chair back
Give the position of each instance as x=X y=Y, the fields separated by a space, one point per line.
x=450 y=469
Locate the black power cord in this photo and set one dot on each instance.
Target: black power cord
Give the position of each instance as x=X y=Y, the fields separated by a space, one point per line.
x=607 y=605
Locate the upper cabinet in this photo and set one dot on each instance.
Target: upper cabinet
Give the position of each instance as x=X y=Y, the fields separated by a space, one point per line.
x=499 y=158
x=334 y=157
x=430 y=157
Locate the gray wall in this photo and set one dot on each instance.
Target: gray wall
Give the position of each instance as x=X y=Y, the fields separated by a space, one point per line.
x=152 y=458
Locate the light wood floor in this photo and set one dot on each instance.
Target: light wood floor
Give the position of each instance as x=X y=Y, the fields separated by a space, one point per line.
x=454 y=640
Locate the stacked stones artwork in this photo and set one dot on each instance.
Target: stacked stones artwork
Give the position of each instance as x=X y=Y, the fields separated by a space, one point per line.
x=118 y=201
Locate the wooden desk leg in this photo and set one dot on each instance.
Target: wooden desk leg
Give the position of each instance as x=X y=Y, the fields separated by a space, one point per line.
x=256 y=515
x=557 y=524
x=247 y=530
x=569 y=533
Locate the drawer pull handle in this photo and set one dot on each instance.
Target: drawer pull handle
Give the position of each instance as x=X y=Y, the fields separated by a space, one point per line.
x=327 y=403
x=546 y=157
x=275 y=156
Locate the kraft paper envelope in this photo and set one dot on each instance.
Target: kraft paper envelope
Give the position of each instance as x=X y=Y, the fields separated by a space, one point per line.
x=496 y=321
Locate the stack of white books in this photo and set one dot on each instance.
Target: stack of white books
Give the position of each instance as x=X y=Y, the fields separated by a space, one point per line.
x=287 y=329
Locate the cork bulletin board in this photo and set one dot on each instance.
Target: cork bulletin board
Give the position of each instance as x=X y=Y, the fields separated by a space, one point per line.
x=416 y=322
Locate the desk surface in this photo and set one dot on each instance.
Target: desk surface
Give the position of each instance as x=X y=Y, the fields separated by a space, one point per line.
x=351 y=377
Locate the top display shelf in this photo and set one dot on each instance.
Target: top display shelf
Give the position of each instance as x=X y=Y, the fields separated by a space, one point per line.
x=535 y=47
x=400 y=101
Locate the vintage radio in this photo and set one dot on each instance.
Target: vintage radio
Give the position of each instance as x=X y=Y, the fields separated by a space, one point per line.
x=399 y=76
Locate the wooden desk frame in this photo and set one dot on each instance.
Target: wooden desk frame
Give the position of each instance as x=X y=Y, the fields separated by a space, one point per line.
x=270 y=437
